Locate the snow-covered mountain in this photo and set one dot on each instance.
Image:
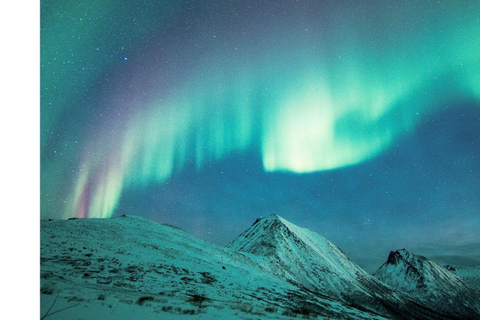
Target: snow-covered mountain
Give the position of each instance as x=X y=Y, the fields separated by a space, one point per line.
x=471 y=275
x=302 y=256
x=307 y=259
x=133 y=268
x=430 y=283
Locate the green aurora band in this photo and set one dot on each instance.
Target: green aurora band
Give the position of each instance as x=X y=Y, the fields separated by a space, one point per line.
x=305 y=103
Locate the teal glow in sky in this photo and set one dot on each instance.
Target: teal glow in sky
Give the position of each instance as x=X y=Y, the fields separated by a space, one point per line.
x=134 y=93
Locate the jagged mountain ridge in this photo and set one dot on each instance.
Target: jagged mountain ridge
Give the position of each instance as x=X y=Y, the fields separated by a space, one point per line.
x=309 y=260
x=430 y=283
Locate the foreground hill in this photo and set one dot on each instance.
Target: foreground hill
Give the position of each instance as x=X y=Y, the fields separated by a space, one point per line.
x=431 y=284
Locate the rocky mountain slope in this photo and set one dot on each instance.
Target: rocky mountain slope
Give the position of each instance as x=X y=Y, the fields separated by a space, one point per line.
x=431 y=284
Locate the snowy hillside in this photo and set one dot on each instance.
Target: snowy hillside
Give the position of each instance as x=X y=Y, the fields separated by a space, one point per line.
x=430 y=283
x=132 y=268
x=471 y=275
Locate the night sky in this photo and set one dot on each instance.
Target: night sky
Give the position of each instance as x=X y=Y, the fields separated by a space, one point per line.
x=359 y=120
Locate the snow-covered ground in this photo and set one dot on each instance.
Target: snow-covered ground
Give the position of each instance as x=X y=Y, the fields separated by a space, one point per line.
x=132 y=268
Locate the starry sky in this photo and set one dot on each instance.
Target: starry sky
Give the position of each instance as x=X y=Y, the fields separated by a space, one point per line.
x=357 y=119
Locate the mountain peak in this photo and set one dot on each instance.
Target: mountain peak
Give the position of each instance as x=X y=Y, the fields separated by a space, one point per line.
x=404 y=255
x=262 y=238
x=270 y=217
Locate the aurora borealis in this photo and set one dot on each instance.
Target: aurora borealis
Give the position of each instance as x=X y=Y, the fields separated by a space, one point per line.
x=357 y=119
